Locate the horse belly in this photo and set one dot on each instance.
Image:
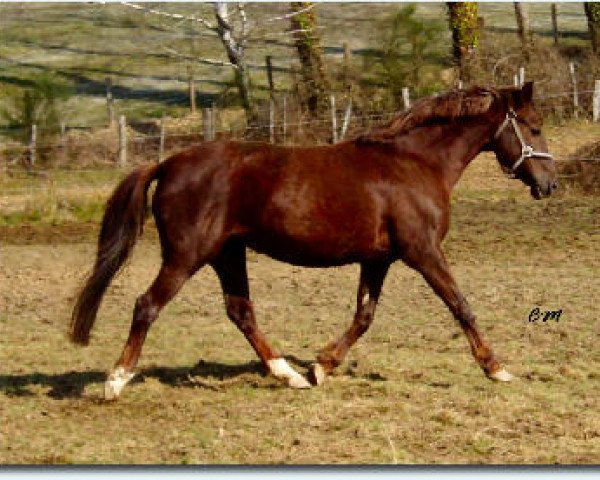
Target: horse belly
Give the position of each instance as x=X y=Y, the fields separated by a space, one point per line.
x=312 y=243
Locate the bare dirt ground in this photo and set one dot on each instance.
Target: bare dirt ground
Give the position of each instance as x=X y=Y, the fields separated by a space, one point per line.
x=409 y=391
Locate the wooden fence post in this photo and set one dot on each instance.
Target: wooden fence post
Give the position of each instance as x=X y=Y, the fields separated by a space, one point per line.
x=269 y=63
x=596 y=101
x=214 y=119
x=334 y=133
x=161 y=141
x=347 y=64
x=346 y=122
x=406 y=98
x=122 y=141
x=284 y=119
x=110 y=102
x=192 y=91
x=271 y=120
x=33 y=145
x=207 y=128
x=521 y=76
x=62 y=141
x=554 y=14
x=575 y=93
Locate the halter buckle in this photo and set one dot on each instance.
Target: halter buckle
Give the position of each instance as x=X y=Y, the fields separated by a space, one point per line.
x=527 y=151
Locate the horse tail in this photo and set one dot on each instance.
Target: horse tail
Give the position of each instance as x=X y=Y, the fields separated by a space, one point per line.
x=121 y=226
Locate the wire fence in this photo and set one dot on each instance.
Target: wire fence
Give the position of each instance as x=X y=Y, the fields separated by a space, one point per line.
x=151 y=141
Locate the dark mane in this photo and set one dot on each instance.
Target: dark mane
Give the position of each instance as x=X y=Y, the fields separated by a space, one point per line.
x=448 y=107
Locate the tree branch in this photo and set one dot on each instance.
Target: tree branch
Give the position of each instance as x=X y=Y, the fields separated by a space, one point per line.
x=208 y=61
x=292 y=14
x=170 y=15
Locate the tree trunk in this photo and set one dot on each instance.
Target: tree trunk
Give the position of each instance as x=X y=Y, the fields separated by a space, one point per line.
x=554 y=14
x=465 y=30
x=592 y=12
x=235 y=48
x=523 y=26
x=308 y=45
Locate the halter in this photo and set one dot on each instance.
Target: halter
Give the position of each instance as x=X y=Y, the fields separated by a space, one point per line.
x=527 y=151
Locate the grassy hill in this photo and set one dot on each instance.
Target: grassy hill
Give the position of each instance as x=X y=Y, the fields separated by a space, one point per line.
x=82 y=44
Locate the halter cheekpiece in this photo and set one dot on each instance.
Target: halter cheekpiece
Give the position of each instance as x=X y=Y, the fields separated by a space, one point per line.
x=527 y=150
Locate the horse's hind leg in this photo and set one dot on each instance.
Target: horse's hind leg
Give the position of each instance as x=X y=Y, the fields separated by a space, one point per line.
x=230 y=266
x=166 y=285
x=369 y=289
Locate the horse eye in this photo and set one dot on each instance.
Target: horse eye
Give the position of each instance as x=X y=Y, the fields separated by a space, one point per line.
x=536 y=131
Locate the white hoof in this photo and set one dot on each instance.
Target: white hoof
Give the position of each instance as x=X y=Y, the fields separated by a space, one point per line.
x=501 y=375
x=281 y=369
x=115 y=383
x=318 y=374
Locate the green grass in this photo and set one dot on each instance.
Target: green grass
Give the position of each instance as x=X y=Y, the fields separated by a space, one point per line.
x=62 y=196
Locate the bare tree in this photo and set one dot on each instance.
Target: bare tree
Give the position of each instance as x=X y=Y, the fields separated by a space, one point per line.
x=233 y=34
x=308 y=45
x=523 y=26
x=234 y=40
x=592 y=12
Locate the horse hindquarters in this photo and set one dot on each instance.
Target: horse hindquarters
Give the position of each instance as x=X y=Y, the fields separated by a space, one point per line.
x=187 y=242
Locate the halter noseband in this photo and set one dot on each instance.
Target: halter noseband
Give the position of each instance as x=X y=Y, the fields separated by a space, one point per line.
x=527 y=151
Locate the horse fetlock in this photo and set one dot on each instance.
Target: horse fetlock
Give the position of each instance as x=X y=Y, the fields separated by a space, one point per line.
x=328 y=360
x=281 y=369
x=115 y=382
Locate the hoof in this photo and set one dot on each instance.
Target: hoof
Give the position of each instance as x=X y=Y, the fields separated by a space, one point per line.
x=115 y=383
x=501 y=375
x=298 y=382
x=281 y=369
x=317 y=374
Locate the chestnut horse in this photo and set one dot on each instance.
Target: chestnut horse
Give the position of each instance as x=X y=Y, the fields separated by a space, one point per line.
x=380 y=197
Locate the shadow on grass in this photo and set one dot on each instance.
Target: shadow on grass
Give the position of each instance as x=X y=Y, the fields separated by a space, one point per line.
x=72 y=384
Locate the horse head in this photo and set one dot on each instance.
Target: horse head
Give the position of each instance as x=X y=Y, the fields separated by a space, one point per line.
x=520 y=146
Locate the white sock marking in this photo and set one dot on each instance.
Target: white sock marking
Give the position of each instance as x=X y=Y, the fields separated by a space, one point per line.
x=319 y=373
x=281 y=369
x=502 y=375
x=116 y=381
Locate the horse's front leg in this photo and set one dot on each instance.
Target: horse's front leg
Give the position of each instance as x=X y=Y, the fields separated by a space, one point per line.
x=431 y=263
x=369 y=289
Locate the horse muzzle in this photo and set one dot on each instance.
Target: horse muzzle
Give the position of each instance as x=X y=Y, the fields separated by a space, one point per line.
x=540 y=191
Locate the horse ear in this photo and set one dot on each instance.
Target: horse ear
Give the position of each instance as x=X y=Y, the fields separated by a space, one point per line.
x=527 y=92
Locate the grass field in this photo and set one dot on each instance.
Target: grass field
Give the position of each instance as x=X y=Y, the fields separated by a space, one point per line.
x=409 y=391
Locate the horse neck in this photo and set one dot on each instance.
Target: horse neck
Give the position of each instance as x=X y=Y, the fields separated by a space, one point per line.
x=456 y=145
